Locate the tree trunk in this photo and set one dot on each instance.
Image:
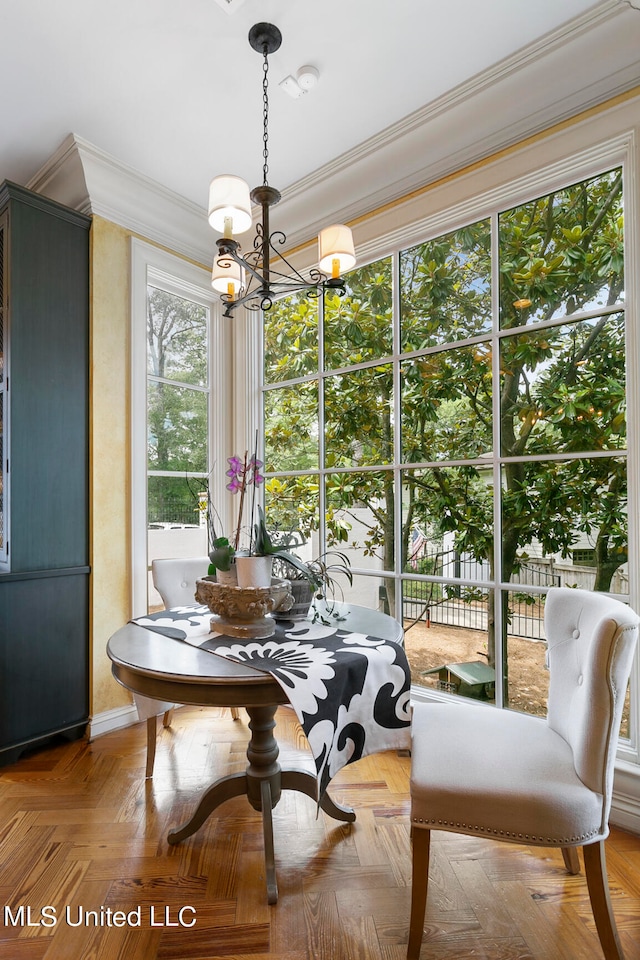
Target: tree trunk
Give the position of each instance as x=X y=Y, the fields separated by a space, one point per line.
x=606 y=564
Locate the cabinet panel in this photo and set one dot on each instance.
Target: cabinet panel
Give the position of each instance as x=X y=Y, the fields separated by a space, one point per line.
x=43 y=659
x=44 y=441
x=48 y=410
x=4 y=526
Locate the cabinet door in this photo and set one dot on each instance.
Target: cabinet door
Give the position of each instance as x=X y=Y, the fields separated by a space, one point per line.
x=49 y=332
x=44 y=662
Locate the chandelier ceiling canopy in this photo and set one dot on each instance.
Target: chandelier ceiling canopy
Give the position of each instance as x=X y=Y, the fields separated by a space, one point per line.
x=263 y=274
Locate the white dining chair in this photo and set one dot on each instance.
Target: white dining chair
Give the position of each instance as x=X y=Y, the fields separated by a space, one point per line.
x=175 y=581
x=503 y=775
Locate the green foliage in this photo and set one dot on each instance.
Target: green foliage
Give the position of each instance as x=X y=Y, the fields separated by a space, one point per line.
x=558 y=384
x=221 y=554
x=177 y=415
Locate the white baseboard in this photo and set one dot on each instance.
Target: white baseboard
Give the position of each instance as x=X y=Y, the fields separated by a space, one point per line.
x=625 y=804
x=110 y=720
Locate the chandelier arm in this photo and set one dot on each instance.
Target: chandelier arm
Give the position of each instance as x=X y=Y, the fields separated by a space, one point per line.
x=250 y=268
x=259 y=299
x=229 y=249
x=316 y=277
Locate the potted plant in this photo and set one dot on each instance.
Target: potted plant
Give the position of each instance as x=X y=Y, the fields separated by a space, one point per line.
x=320 y=579
x=244 y=475
x=248 y=565
x=251 y=565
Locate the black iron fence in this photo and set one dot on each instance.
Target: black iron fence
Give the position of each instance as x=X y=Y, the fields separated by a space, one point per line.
x=170 y=511
x=457 y=605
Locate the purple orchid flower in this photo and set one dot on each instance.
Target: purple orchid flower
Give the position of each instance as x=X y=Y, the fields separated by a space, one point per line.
x=236 y=483
x=236 y=466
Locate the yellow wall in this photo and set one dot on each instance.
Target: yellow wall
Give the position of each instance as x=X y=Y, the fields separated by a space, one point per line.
x=110 y=526
x=111 y=546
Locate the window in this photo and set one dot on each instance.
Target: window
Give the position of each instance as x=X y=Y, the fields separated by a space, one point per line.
x=178 y=402
x=178 y=356
x=457 y=424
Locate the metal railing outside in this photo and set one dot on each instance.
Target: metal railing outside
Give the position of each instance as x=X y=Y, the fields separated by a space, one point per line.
x=462 y=606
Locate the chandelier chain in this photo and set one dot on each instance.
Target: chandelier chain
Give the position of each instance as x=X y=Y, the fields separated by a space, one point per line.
x=265 y=117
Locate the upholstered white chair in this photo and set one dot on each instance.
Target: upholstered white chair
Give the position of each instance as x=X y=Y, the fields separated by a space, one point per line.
x=175 y=581
x=507 y=776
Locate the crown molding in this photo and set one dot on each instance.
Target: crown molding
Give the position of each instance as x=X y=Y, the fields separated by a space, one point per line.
x=443 y=217
x=580 y=66
x=528 y=56
x=86 y=178
x=588 y=61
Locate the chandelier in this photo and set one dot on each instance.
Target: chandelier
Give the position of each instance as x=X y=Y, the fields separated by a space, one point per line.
x=263 y=274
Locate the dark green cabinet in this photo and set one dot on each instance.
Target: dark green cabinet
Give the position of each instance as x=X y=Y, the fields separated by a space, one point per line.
x=44 y=480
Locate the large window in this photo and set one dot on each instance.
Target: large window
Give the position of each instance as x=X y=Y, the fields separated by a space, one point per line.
x=178 y=431
x=178 y=402
x=456 y=422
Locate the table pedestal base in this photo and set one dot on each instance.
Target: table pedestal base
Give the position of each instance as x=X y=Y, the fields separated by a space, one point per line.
x=263 y=781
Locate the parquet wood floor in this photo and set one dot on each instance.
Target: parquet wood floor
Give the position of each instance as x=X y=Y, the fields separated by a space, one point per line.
x=81 y=830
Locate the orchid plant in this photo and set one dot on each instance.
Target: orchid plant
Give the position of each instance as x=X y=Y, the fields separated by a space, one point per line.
x=244 y=478
x=243 y=474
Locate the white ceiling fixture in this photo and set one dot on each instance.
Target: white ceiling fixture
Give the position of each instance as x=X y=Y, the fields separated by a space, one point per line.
x=305 y=80
x=253 y=280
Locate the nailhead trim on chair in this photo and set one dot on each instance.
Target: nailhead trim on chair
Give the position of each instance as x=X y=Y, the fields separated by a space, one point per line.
x=555 y=841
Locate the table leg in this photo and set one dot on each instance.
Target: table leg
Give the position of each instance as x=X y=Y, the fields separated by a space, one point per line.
x=262 y=782
x=262 y=754
x=234 y=785
x=306 y=783
x=269 y=853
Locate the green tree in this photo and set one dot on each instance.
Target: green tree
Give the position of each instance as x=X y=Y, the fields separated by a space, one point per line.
x=560 y=386
x=176 y=406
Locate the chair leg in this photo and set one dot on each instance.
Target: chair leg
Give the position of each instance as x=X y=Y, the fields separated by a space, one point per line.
x=235 y=713
x=151 y=746
x=419 y=882
x=595 y=868
x=571 y=859
x=168 y=717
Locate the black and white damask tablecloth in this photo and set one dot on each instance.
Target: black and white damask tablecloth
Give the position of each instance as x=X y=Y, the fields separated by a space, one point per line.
x=349 y=690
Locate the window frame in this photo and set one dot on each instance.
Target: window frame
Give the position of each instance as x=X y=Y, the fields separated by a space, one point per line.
x=571 y=168
x=152 y=266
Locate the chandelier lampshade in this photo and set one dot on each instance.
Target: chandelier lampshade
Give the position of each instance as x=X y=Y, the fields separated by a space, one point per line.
x=227 y=276
x=336 y=253
x=229 y=205
x=263 y=274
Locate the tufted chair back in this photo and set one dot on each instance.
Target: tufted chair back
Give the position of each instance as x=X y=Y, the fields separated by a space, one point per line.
x=591 y=640
x=175 y=580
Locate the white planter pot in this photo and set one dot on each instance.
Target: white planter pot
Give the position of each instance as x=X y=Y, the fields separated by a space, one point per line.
x=230 y=577
x=254 y=571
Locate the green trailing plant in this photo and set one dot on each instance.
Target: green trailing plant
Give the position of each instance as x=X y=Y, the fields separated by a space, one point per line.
x=264 y=546
x=325 y=573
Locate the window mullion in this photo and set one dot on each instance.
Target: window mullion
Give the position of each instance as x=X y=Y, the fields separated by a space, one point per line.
x=397 y=431
x=322 y=473
x=497 y=462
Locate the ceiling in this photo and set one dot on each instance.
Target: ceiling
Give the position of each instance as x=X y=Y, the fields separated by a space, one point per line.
x=173 y=89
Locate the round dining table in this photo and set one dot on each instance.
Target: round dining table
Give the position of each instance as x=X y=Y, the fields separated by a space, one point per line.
x=154 y=665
